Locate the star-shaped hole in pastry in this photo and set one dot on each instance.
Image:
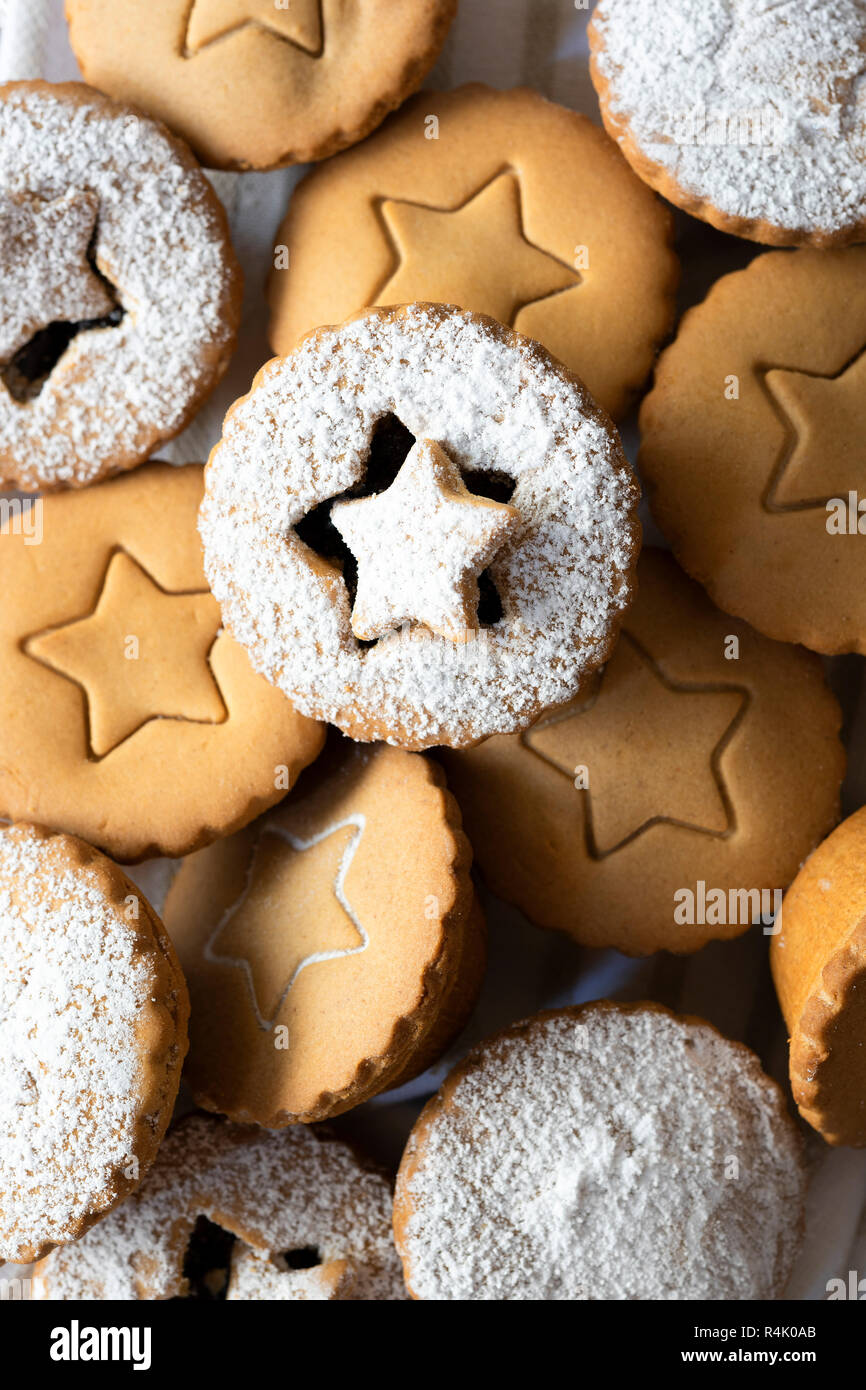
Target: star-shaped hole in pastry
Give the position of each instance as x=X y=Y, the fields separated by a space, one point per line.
x=218 y=1265
x=652 y=748
x=50 y=289
x=825 y=451
x=283 y=922
x=208 y=1260
x=476 y=255
x=142 y=654
x=299 y=22
x=420 y=547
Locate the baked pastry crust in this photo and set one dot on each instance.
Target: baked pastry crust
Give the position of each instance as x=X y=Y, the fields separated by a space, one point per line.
x=556 y=236
x=597 y=1152
x=750 y=446
x=819 y=968
x=499 y=406
x=318 y=982
x=297 y=1216
x=672 y=803
x=86 y=1104
x=258 y=95
x=823 y=120
x=124 y=383
x=127 y=715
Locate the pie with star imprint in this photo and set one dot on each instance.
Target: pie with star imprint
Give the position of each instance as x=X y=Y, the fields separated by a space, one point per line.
x=753 y=446
x=421 y=527
x=119 y=290
x=672 y=803
x=335 y=947
x=126 y=714
x=231 y=1212
x=508 y=205
x=253 y=84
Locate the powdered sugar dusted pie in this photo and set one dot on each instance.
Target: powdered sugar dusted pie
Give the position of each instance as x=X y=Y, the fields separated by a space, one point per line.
x=602 y=1152
x=421 y=527
x=119 y=290
x=748 y=113
x=230 y=1212
x=93 y=1014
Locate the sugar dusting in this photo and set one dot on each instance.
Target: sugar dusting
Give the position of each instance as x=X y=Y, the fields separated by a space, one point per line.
x=72 y=987
x=420 y=547
x=613 y=1155
x=46 y=275
x=758 y=106
x=494 y=404
x=117 y=391
x=287 y=1189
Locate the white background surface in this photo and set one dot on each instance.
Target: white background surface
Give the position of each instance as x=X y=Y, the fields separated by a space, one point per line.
x=540 y=43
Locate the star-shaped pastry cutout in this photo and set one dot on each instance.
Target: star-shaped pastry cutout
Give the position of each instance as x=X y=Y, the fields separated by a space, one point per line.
x=293 y=913
x=651 y=747
x=142 y=654
x=476 y=255
x=826 y=418
x=297 y=21
x=420 y=547
x=47 y=277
